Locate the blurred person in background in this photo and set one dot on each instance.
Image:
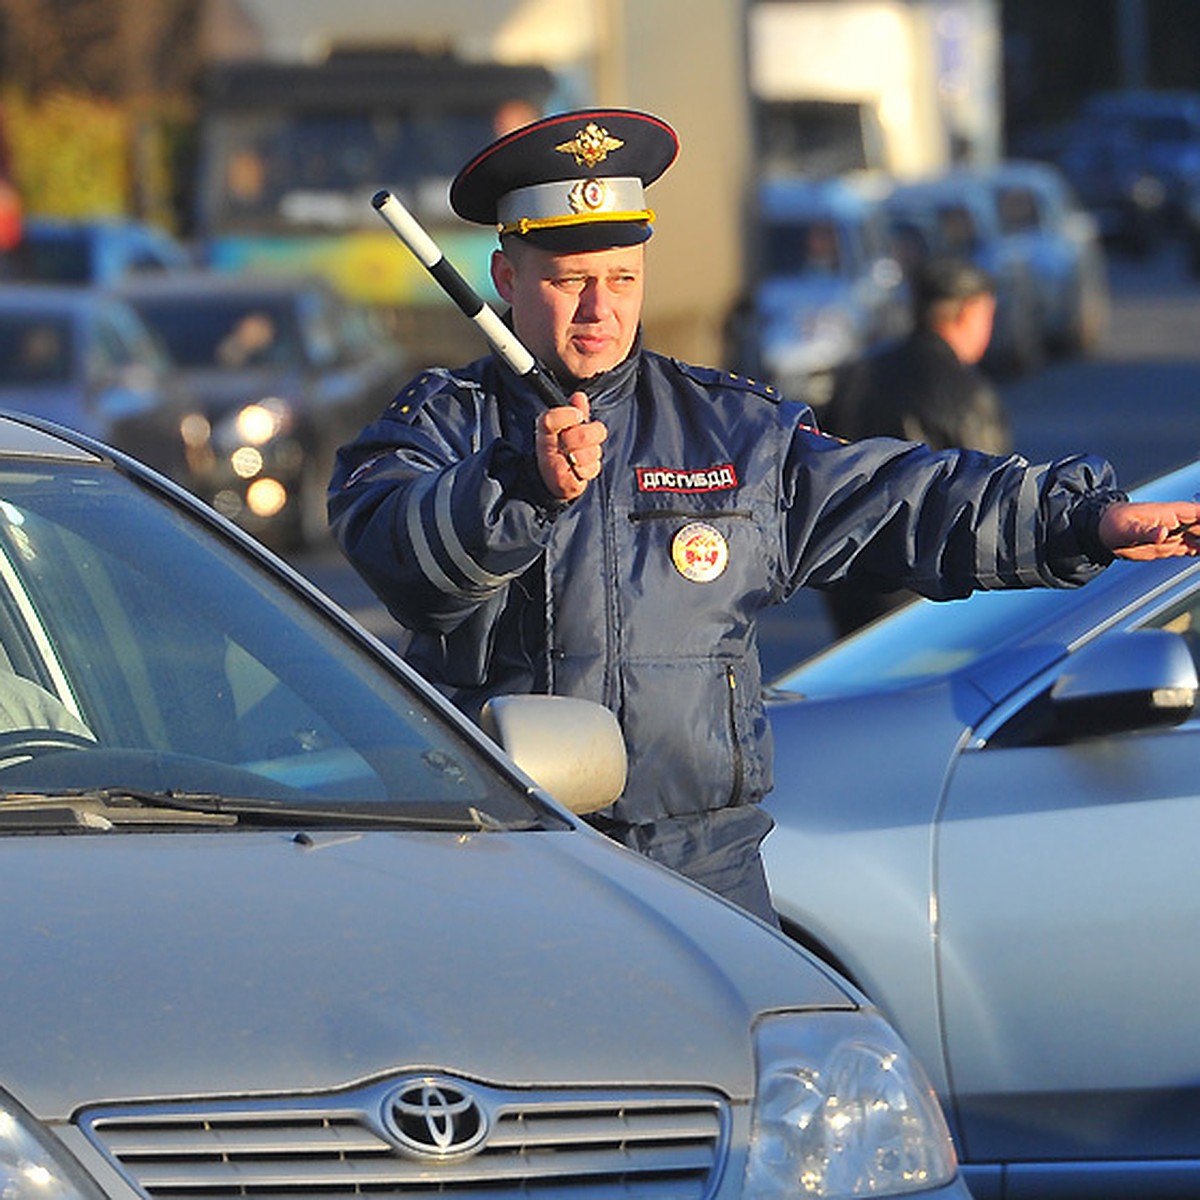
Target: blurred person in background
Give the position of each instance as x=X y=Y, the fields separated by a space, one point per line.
x=925 y=388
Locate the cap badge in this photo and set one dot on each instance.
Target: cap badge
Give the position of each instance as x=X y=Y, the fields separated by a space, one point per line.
x=588 y=195
x=699 y=552
x=590 y=145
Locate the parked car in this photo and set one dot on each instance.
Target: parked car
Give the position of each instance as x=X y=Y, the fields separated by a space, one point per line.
x=284 y=372
x=987 y=813
x=86 y=360
x=1061 y=242
x=279 y=920
x=954 y=214
x=1164 y=126
x=1126 y=195
x=101 y=251
x=828 y=287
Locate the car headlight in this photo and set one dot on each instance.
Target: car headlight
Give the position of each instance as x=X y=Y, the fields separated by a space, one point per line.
x=842 y=1109
x=32 y=1165
x=255 y=424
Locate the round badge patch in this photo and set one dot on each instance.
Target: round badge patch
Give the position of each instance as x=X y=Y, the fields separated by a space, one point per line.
x=699 y=552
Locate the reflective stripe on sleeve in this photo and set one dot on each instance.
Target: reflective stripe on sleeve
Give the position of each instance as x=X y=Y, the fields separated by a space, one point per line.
x=454 y=554
x=1027 y=516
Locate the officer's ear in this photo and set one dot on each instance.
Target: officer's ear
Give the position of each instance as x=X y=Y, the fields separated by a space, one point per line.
x=503 y=272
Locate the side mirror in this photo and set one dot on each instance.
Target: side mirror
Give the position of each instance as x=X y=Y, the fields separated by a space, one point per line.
x=1126 y=682
x=572 y=748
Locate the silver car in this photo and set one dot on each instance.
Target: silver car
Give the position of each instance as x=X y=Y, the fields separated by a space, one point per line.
x=276 y=921
x=988 y=813
x=1061 y=243
x=828 y=287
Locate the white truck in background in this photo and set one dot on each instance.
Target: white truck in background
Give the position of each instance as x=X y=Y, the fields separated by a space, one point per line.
x=905 y=87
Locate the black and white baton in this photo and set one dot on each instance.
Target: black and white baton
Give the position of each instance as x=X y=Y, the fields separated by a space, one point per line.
x=499 y=336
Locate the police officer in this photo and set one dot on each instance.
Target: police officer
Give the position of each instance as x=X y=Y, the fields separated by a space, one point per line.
x=924 y=388
x=621 y=548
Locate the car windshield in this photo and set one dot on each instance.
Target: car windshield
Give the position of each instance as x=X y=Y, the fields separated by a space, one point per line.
x=801 y=247
x=234 y=332
x=56 y=256
x=153 y=658
x=34 y=348
x=924 y=641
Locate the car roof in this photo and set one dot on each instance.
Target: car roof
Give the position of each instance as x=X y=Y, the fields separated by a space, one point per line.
x=29 y=437
x=810 y=197
x=220 y=283
x=55 y=297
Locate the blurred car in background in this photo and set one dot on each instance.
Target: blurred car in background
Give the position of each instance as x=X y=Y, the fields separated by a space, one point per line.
x=86 y=360
x=997 y=843
x=1061 y=242
x=1126 y=196
x=954 y=215
x=283 y=371
x=828 y=287
x=100 y=251
x=1164 y=127
x=288 y=924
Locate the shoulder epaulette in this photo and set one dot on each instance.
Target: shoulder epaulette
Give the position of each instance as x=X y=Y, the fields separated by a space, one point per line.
x=715 y=377
x=422 y=387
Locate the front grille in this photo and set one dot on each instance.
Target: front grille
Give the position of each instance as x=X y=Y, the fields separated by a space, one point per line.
x=602 y=1146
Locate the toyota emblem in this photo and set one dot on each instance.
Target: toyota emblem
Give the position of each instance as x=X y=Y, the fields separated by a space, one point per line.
x=434 y=1118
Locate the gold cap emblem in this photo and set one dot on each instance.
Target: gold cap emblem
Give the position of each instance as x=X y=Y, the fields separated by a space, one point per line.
x=699 y=552
x=588 y=195
x=591 y=145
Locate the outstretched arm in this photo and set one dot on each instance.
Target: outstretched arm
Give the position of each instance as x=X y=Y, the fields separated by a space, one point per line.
x=1148 y=531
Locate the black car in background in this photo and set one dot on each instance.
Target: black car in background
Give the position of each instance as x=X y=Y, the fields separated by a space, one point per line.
x=284 y=370
x=1133 y=157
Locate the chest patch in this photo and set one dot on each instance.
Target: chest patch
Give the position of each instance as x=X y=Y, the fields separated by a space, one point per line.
x=668 y=479
x=699 y=552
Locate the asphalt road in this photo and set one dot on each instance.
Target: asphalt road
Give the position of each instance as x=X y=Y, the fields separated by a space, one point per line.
x=1135 y=401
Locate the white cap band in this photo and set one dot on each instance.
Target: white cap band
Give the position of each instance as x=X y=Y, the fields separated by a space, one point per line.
x=586 y=199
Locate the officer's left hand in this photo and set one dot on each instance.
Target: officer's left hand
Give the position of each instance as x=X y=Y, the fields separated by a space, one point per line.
x=1148 y=531
x=568 y=447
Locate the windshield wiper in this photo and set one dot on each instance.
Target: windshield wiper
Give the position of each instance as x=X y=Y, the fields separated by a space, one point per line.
x=106 y=808
x=102 y=808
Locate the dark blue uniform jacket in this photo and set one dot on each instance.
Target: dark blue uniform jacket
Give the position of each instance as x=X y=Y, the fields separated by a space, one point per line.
x=440 y=506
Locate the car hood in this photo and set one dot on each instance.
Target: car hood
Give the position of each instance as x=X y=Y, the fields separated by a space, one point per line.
x=219 y=391
x=157 y=966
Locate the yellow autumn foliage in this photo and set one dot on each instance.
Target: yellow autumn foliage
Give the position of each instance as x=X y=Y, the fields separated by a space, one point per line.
x=75 y=155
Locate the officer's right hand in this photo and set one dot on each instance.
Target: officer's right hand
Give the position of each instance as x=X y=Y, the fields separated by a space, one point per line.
x=568 y=447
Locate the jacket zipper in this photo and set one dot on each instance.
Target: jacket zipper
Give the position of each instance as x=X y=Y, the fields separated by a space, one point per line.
x=738 y=761
x=679 y=514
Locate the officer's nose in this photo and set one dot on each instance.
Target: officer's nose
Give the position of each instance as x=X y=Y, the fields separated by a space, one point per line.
x=593 y=302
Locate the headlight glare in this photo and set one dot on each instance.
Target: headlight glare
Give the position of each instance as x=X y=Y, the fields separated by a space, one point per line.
x=260 y=422
x=32 y=1167
x=842 y=1110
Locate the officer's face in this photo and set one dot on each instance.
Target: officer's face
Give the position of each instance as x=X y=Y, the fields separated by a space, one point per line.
x=578 y=313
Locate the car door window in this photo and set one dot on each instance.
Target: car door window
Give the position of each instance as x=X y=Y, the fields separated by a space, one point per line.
x=1184 y=619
